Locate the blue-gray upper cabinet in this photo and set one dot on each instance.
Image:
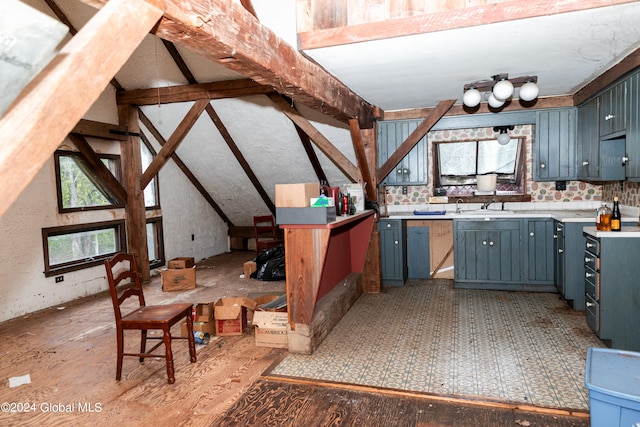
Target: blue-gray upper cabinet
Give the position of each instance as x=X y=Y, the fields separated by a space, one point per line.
x=555 y=145
x=393 y=251
x=588 y=144
x=413 y=167
x=633 y=128
x=487 y=254
x=539 y=268
x=613 y=110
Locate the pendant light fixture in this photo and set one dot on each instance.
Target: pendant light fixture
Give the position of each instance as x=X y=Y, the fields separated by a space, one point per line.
x=503 y=136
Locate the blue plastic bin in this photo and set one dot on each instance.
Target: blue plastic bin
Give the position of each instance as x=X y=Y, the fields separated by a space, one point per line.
x=613 y=379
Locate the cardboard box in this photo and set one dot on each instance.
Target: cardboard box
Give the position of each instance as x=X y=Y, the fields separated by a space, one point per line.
x=230 y=315
x=296 y=195
x=270 y=325
x=305 y=215
x=249 y=267
x=208 y=327
x=179 y=279
x=182 y=262
x=204 y=312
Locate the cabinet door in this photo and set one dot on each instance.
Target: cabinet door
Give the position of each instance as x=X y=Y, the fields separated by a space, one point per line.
x=418 y=255
x=392 y=252
x=613 y=109
x=633 y=128
x=558 y=261
x=588 y=145
x=540 y=253
x=413 y=167
x=555 y=145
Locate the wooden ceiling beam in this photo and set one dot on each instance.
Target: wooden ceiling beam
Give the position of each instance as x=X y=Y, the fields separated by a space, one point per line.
x=192 y=92
x=174 y=141
x=414 y=137
x=49 y=107
x=101 y=130
x=361 y=155
x=225 y=32
x=335 y=155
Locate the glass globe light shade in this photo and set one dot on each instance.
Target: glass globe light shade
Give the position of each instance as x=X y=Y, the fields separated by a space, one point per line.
x=503 y=90
x=529 y=91
x=471 y=97
x=493 y=102
x=503 y=138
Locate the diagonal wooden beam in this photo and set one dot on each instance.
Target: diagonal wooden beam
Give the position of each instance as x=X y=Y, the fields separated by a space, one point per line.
x=311 y=154
x=240 y=158
x=412 y=140
x=339 y=159
x=50 y=106
x=363 y=164
x=183 y=167
x=102 y=172
x=174 y=141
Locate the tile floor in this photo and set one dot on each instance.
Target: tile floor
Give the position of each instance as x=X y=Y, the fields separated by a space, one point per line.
x=518 y=347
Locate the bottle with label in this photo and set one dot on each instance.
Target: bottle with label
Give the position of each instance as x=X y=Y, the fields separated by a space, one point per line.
x=615 y=216
x=603 y=218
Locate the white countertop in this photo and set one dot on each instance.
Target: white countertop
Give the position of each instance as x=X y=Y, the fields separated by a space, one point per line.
x=628 y=231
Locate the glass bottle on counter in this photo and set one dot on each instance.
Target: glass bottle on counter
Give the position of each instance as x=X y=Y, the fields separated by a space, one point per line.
x=603 y=218
x=616 y=224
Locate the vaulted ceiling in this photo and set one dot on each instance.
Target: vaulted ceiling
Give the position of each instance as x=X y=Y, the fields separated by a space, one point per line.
x=243 y=144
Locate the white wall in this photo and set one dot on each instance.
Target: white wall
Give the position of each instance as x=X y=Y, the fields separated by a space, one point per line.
x=23 y=285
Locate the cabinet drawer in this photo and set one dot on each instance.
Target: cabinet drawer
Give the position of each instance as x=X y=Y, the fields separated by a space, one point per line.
x=592 y=245
x=591 y=261
x=592 y=314
x=592 y=283
x=389 y=224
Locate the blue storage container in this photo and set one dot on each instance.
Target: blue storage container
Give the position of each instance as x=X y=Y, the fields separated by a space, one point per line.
x=613 y=379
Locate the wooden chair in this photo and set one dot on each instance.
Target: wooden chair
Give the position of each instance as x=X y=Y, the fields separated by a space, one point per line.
x=125 y=279
x=265 y=232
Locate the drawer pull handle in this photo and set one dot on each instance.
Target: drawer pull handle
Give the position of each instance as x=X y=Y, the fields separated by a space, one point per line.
x=532 y=234
x=591 y=245
x=587 y=275
x=395 y=242
x=589 y=304
x=587 y=259
x=560 y=251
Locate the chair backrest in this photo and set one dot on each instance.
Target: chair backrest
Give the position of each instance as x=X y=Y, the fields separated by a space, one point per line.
x=122 y=271
x=264 y=227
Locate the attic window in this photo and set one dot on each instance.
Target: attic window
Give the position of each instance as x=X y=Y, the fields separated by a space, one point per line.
x=77 y=185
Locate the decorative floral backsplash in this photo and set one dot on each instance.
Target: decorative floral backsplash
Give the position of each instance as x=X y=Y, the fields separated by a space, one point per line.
x=539 y=191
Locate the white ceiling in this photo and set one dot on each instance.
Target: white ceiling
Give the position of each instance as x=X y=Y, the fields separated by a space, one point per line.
x=565 y=51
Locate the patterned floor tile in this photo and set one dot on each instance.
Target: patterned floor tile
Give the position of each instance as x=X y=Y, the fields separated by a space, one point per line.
x=519 y=347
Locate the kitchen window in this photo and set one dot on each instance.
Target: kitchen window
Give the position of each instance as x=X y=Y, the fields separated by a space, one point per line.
x=459 y=162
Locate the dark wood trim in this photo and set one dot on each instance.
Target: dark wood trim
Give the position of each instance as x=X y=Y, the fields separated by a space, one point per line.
x=160 y=242
x=183 y=167
x=600 y=83
x=311 y=154
x=177 y=58
x=174 y=141
x=447 y=20
x=412 y=140
x=335 y=155
x=102 y=172
x=240 y=158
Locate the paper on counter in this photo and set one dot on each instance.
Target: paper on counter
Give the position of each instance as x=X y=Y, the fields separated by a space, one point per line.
x=18 y=381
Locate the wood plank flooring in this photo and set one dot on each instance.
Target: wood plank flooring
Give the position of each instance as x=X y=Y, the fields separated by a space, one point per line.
x=276 y=403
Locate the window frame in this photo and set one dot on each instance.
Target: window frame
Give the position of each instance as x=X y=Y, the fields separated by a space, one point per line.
x=159 y=242
x=156 y=177
x=462 y=180
x=121 y=242
x=66 y=153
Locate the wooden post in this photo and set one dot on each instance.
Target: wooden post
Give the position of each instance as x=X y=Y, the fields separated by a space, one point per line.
x=135 y=215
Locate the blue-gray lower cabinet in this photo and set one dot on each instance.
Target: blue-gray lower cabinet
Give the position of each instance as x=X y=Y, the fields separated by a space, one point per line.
x=487 y=254
x=569 y=262
x=418 y=254
x=393 y=251
x=613 y=294
x=539 y=267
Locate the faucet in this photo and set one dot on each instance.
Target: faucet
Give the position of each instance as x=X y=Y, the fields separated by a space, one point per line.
x=485 y=205
x=458 y=210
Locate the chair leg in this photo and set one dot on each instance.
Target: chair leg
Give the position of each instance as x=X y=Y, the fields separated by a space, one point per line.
x=169 y=355
x=192 y=344
x=120 y=344
x=143 y=343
